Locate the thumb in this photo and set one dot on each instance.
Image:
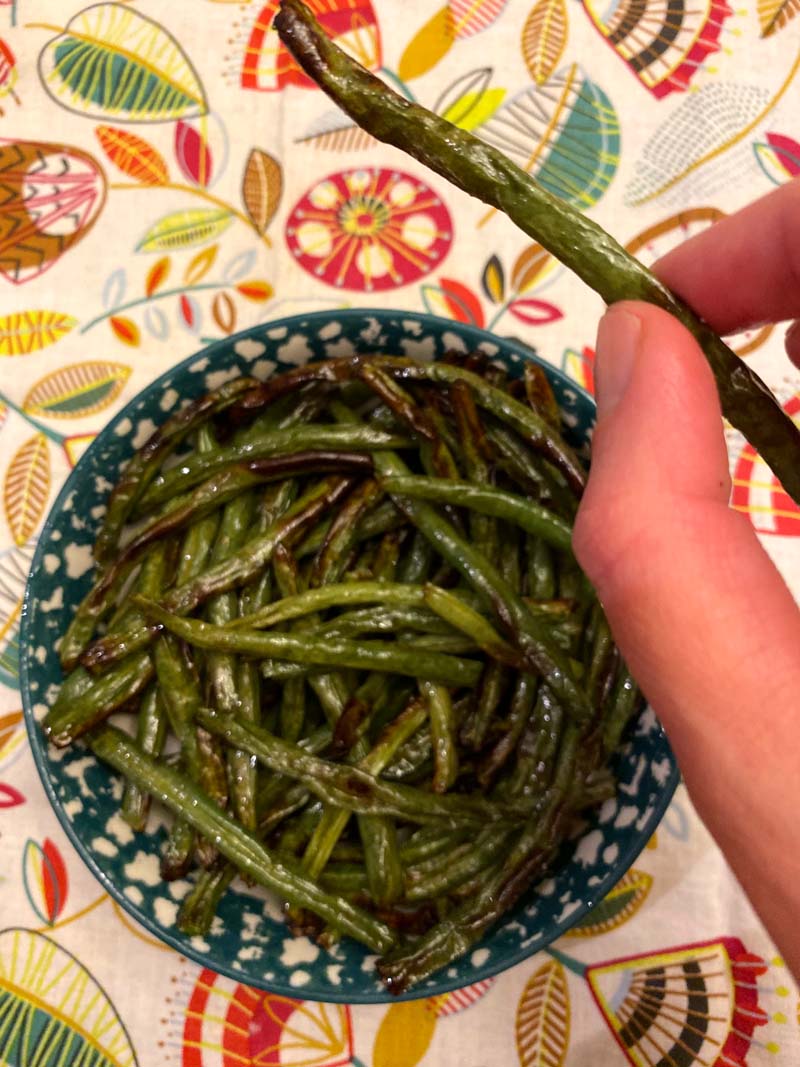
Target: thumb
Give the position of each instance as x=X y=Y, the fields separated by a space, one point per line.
x=704 y=619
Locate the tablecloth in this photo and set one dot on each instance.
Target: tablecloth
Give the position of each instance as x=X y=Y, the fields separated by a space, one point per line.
x=168 y=176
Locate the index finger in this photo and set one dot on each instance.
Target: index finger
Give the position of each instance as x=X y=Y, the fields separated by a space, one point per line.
x=745 y=269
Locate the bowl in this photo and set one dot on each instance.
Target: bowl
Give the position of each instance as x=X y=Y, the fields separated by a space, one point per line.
x=248 y=941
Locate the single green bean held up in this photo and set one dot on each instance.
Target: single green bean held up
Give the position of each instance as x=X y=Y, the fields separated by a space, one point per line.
x=581 y=244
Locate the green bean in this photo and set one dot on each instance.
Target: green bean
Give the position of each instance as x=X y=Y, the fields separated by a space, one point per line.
x=416 y=564
x=488 y=501
x=234 y=686
x=541 y=570
x=332 y=652
x=539 y=393
x=197 y=909
x=443 y=735
x=581 y=244
x=353 y=787
x=476 y=452
x=429 y=842
x=464 y=618
x=340 y=594
x=69 y=719
x=522 y=704
x=94 y=607
x=316 y=437
x=381 y=619
x=330 y=562
x=234 y=842
x=418 y=418
x=528 y=635
x=451 y=937
x=454 y=868
x=237 y=570
x=151 y=734
x=381 y=858
x=372 y=762
x=383 y=518
x=198 y=540
x=624 y=702
x=143 y=466
x=181 y=701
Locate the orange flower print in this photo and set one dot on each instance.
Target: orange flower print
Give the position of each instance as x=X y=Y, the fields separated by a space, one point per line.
x=369 y=229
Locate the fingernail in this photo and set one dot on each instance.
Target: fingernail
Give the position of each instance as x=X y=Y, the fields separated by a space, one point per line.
x=617 y=346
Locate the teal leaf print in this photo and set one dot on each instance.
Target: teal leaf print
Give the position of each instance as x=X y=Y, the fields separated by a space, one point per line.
x=112 y=62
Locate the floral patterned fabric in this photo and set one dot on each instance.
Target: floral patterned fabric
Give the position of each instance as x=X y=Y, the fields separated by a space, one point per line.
x=169 y=176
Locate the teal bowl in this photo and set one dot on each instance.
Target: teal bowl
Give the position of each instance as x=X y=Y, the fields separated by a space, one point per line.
x=248 y=941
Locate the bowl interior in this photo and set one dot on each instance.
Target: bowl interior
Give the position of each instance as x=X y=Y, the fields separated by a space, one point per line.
x=248 y=940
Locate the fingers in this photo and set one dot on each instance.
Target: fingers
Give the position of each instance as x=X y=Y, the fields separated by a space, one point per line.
x=688 y=589
x=702 y=617
x=745 y=269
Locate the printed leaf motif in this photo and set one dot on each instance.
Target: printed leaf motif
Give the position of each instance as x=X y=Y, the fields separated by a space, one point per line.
x=240 y=265
x=429 y=45
x=200 y=265
x=190 y=313
x=544 y=36
x=10 y=725
x=156 y=322
x=45 y=879
x=565 y=133
x=224 y=311
x=114 y=288
x=405 y=1033
x=77 y=390
x=779 y=158
x=469 y=101
x=262 y=185
x=27 y=484
x=336 y=136
x=773 y=15
x=453 y=300
x=534 y=312
x=529 y=267
x=705 y=125
x=133 y=155
x=543 y=1017
x=184 y=229
x=28 y=331
x=621 y=904
x=193 y=154
x=461 y=999
x=663 y=46
x=126 y=330
x=157 y=275
x=36 y=973
x=14 y=566
x=255 y=290
x=9 y=72
x=493 y=280
x=51 y=195
x=10 y=797
x=111 y=61
x=469 y=17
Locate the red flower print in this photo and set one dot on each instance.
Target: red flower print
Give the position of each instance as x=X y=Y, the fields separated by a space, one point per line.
x=369 y=229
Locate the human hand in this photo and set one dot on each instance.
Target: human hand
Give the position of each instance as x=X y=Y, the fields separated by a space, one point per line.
x=705 y=621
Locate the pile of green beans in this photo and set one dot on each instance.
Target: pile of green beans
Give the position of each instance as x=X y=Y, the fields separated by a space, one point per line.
x=363 y=669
